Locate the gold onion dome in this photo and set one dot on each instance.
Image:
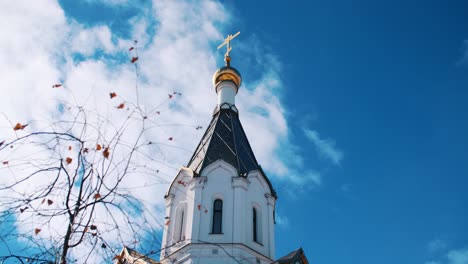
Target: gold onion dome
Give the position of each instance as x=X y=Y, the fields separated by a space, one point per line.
x=227 y=73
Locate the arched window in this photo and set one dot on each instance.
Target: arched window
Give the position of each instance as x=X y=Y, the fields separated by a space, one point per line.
x=217 y=217
x=254 y=225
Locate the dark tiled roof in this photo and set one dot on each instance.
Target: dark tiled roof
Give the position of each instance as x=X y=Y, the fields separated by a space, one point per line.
x=224 y=139
x=291 y=258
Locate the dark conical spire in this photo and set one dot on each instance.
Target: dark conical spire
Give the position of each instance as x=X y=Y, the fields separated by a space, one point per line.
x=224 y=139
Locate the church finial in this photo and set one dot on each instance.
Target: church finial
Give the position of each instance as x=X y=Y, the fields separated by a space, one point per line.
x=227 y=79
x=227 y=42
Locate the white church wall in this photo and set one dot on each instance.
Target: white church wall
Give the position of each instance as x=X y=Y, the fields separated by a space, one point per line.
x=216 y=254
x=218 y=186
x=258 y=189
x=195 y=197
x=178 y=231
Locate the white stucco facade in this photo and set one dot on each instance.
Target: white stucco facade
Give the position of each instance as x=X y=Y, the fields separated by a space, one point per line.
x=188 y=236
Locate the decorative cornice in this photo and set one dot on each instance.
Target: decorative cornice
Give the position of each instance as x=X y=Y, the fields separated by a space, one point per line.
x=271 y=200
x=197 y=183
x=193 y=243
x=188 y=171
x=240 y=182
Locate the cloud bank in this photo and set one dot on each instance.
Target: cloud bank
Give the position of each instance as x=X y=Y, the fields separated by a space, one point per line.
x=455 y=256
x=42 y=45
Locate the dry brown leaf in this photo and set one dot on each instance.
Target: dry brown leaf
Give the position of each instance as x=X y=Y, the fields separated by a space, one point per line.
x=5 y=163
x=98 y=147
x=69 y=147
x=37 y=230
x=49 y=202
x=121 y=106
x=97 y=196
x=112 y=95
x=19 y=126
x=106 y=153
x=134 y=59
x=68 y=160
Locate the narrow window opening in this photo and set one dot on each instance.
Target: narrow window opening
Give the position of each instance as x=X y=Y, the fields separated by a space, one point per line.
x=217 y=216
x=254 y=224
x=181 y=237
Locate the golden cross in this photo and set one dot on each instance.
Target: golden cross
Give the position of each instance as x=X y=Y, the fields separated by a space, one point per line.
x=227 y=42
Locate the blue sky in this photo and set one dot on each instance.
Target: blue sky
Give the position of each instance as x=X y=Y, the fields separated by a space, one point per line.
x=374 y=95
x=388 y=82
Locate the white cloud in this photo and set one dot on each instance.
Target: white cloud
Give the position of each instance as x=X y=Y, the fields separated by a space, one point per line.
x=459 y=256
x=37 y=46
x=281 y=220
x=86 y=42
x=454 y=256
x=325 y=147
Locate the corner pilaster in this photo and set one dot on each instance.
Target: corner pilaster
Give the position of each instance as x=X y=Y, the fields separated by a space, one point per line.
x=271 y=201
x=195 y=185
x=169 y=200
x=240 y=186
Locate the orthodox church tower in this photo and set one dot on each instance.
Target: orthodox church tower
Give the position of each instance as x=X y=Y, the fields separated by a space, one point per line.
x=220 y=208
